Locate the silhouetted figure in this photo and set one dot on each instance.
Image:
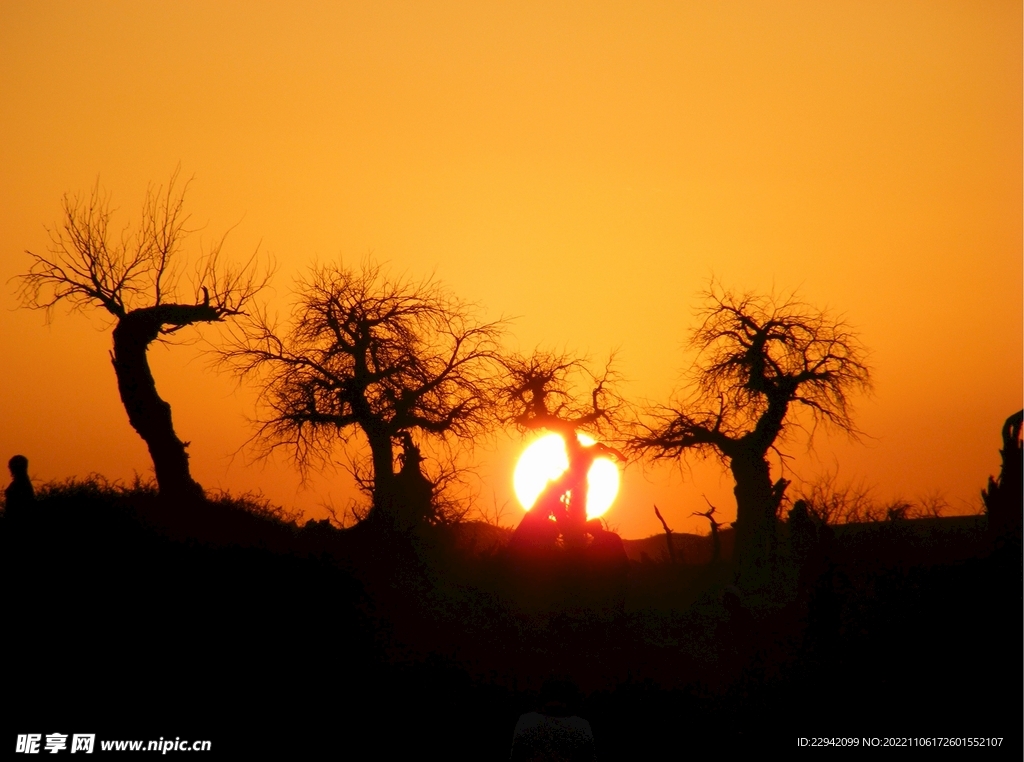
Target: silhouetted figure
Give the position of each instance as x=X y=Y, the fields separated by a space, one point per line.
x=554 y=732
x=19 y=496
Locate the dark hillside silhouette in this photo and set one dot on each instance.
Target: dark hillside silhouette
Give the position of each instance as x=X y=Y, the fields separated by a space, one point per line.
x=137 y=281
x=231 y=622
x=689 y=549
x=760 y=360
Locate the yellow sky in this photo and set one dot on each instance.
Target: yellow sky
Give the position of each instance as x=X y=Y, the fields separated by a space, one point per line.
x=584 y=166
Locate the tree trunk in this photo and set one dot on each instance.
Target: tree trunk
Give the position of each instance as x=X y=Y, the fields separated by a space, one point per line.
x=385 y=487
x=755 y=511
x=148 y=414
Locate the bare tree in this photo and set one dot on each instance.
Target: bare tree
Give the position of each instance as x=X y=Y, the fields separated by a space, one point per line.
x=559 y=392
x=716 y=540
x=759 y=360
x=151 y=290
x=376 y=358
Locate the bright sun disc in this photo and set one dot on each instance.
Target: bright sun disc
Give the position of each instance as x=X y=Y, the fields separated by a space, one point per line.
x=545 y=459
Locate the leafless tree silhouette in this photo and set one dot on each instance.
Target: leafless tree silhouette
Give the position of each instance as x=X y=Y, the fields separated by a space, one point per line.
x=559 y=392
x=716 y=540
x=759 y=359
x=151 y=290
x=369 y=355
x=828 y=501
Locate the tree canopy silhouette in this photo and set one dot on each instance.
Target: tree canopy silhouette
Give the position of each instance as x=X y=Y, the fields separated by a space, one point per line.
x=369 y=355
x=143 y=280
x=760 y=359
x=559 y=392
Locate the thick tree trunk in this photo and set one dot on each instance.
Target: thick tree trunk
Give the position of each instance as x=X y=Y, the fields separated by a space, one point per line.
x=148 y=414
x=753 y=494
x=385 y=487
x=757 y=501
x=401 y=501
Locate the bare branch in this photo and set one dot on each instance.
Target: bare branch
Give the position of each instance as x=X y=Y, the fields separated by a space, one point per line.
x=86 y=266
x=558 y=391
x=758 y=359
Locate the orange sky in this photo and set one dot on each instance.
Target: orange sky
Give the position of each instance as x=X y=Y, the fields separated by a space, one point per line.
x=585 y=166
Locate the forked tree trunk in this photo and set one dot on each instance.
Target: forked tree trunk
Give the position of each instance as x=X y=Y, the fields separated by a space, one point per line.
x=148 y=414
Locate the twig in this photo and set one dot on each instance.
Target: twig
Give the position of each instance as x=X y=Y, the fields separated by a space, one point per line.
x=668 y=535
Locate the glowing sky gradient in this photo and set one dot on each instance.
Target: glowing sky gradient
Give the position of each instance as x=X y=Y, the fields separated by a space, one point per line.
x=583 y=166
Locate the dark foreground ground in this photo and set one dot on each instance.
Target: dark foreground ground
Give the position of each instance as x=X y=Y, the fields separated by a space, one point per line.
x=135 y=621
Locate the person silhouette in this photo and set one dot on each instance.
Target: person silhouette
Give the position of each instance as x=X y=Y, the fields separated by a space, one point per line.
x=554 y=732
x=19 y=496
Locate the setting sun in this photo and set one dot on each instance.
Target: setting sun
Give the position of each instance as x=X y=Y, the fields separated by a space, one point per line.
x=545 y=459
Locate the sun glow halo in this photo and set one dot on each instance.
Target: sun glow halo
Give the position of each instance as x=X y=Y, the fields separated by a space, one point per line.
x=545 y=459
